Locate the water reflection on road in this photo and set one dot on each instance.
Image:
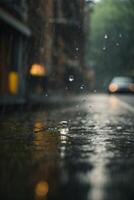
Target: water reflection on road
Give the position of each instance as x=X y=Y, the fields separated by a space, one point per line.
x=82 y=151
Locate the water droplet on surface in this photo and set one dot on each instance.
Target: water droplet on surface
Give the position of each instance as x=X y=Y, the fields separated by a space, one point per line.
x=71 y=78
x=104 y=48
x=119 y=128
x=63 y=128
x=63 y=123
x=82 y=87
x=106 y=36
x=117 y=44
x=64 y=131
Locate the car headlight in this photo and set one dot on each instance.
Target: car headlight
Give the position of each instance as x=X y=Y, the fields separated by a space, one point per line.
x=131 y=87
x=113 y=87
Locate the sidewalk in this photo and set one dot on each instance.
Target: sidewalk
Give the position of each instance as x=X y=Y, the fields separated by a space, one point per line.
x=58 y=97
x=11 y=100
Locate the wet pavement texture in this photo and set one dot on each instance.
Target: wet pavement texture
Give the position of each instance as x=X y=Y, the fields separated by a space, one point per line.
x=82 y=151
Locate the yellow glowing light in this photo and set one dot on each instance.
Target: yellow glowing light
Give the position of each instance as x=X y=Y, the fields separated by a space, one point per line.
x=41 y=189
x=38 y=70
x=131 y=87
x=38 y=125
x=13 y=82
x=113 y=87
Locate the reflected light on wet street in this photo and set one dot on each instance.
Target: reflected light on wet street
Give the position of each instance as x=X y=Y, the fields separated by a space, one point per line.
x=41 y=190
x=98 y=176
x=38 y=126
x=113 y=101
x=64 y=130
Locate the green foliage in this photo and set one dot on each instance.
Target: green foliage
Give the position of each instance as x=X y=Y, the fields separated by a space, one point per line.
x=112 y=38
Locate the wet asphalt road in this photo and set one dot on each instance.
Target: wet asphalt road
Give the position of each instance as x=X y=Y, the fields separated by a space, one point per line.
x=80 y=151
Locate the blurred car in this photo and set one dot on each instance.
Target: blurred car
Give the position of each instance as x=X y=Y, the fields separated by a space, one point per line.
x=121 y=85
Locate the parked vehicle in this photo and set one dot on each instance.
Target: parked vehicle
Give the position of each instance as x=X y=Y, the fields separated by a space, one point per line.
x=121 y=85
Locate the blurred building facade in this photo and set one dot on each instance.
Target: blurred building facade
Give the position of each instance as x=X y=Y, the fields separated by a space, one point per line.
x=69 y=39
x=48 y=35
x=59 y=36
x=14 y=35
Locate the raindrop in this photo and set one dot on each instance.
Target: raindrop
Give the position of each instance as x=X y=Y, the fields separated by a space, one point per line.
x=104 y=48
x=82 y=87
x=63 y=123
x=120 y=35
x=77 y=49
x=71 y=78
x=106 y=36
x=46 y=95
x=117 y=44
x=94 y=91
x=119 y=128
x=64 y=131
